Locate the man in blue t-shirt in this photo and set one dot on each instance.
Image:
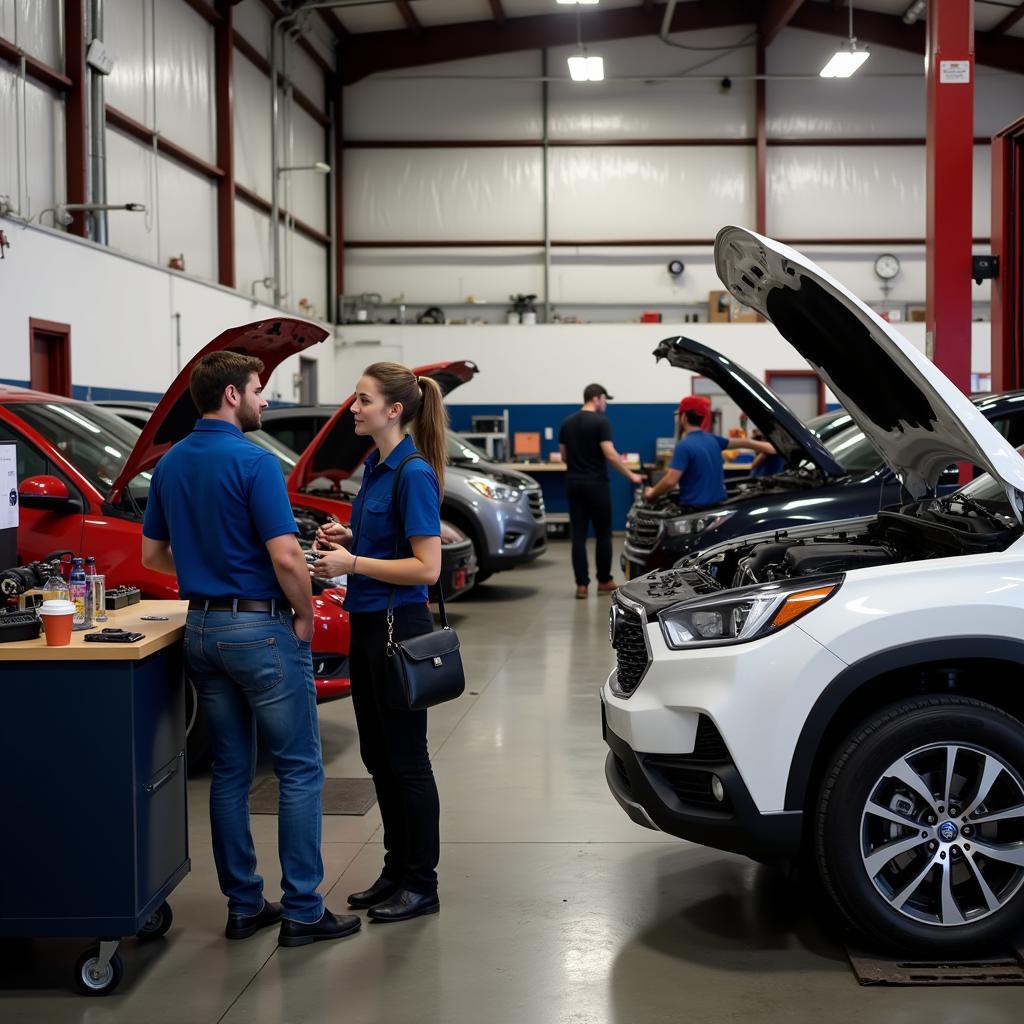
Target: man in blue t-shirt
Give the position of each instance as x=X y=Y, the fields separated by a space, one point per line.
x=218 y=516
x=697 y=466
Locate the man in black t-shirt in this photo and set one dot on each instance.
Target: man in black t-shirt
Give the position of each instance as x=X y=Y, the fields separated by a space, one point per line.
x=585 y=439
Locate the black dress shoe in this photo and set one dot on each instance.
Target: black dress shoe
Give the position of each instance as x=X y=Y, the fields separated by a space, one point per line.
x=404 y=905
x=241 y=927
x=380 y=891
x=330 y=926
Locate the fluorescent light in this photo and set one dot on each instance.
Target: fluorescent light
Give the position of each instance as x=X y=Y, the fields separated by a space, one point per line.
x=586 y=69
x=845 y=62
x=582 y=3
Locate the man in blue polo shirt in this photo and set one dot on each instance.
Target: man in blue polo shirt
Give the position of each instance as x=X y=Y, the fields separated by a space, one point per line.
x=697 y=466
x=218 y=516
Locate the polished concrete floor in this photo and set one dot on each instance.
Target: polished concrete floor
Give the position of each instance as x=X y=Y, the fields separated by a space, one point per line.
x=556 y=908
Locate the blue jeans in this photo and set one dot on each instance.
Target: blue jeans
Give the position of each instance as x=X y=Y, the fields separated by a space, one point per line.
x=249 y=669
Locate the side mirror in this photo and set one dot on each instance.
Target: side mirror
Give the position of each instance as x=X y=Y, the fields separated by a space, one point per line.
x=46 y=493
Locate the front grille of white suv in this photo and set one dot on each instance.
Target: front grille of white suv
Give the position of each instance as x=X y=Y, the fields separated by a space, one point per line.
x=631 y=653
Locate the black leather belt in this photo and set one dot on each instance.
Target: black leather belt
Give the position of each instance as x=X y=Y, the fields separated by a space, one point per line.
x=228 y=604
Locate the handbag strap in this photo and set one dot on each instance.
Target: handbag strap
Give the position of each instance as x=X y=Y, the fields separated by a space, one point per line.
x=401 y=532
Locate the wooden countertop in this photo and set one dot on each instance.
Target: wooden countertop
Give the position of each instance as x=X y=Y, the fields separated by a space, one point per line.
x=547 y=467
x=158 y=636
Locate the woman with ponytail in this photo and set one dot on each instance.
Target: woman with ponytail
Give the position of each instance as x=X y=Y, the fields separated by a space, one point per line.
x=392 y=554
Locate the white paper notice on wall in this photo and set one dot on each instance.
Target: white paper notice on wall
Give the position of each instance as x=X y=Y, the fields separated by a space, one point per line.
x=954 y=72
x=8 y=486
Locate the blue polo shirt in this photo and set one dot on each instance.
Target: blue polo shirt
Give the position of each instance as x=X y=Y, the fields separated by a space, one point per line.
x=375 y=524
x=218 y=498
x=772 y=466
x=698 y=456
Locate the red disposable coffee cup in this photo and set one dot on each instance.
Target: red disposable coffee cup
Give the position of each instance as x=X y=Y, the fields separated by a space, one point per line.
x=58 y=617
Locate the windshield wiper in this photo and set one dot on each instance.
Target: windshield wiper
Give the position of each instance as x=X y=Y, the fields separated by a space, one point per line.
x=969 y=503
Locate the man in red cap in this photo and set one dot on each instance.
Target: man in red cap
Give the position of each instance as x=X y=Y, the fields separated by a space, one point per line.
x=697 y=467
x=585 y=440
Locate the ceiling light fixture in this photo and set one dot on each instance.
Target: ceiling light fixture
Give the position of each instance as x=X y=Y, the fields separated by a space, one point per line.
x=586 y=69
x=582 y=67
x=580 y=3
x=845 y=61
x=914 y=11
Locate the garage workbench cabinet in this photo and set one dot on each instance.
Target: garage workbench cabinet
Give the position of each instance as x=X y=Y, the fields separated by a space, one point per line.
x=92 y=740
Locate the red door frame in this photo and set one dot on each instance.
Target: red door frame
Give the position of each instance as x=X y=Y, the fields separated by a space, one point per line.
x=1008 y=245
x=769 y=374
x=59 y=382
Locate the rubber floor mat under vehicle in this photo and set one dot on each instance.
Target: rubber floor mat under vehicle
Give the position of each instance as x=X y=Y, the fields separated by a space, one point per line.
x=871 y=969
x=339 y=796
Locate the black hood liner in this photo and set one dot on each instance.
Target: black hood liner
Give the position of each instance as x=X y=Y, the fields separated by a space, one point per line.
x=811 y=320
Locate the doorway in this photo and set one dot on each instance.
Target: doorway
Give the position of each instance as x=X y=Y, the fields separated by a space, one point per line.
x=801 y=390
x=308 y=382
x=49 y=357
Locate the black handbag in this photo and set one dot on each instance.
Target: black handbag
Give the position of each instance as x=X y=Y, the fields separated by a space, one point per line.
x=424 y=670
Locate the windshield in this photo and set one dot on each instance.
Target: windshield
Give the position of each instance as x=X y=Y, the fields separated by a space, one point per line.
x=286 y=458
x=990 y=492
x=460 y=450
x=829 y=424
x=853 y=451
x=95 y=441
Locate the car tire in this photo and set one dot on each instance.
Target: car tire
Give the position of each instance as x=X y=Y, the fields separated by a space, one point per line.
x=458 y=520
x=198 y=742
x=919 y=827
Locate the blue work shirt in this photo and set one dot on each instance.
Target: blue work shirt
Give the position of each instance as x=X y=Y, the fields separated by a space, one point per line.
x=772 y=466
x=698 y=456
x=375 y=524
x=218 y=499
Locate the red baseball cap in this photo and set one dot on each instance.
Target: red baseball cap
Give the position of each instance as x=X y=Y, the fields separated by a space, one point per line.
x=696 y=403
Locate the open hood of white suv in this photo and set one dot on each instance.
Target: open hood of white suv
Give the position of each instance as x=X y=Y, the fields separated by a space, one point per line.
x=919 y=421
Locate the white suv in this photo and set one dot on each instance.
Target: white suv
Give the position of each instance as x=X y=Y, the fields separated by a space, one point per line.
x=852 y=692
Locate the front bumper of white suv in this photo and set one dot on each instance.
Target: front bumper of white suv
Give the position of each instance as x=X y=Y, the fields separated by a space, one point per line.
x=701 y=741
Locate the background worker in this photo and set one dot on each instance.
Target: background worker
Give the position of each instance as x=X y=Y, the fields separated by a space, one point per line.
x=765 y=465
x=697 y=466
x=585 y=440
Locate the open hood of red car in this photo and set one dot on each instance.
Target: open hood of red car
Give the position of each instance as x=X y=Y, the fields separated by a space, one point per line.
x=337 y=451
x=272 y=341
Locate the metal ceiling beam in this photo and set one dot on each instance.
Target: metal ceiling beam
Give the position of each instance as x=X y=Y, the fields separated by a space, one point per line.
x=372 y=52
x=1008 y=22
x=412 y=23
x=777 y=15
x=333 y=22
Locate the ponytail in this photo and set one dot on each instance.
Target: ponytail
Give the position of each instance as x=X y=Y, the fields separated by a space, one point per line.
x=430 y=427
x=422 y=406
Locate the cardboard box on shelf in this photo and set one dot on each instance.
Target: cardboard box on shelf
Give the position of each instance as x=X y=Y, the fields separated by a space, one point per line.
x=724 y=309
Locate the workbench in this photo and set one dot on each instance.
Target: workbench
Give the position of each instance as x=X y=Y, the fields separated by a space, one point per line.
x=92 y=738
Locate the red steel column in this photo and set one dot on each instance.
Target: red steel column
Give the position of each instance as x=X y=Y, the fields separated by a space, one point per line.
x=761 y=159
x=75 y=110
x=949 y=69
x=224 y=93
x=1008 y=247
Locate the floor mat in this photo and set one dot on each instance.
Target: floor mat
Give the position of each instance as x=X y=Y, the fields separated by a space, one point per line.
x=871 y=969
x=339 y=796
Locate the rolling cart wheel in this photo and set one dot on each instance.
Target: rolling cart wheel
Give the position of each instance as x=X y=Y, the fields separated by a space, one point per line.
x=102 y=983
x=159 y=923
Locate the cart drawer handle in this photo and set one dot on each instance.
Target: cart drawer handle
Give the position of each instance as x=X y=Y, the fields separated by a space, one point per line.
x=152 y=787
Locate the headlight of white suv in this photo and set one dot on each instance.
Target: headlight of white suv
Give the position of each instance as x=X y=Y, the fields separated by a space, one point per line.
x=494 y=491
x=698 y=522
x=741 y=615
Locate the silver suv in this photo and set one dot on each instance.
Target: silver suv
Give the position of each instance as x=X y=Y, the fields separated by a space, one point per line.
x=500 y=510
